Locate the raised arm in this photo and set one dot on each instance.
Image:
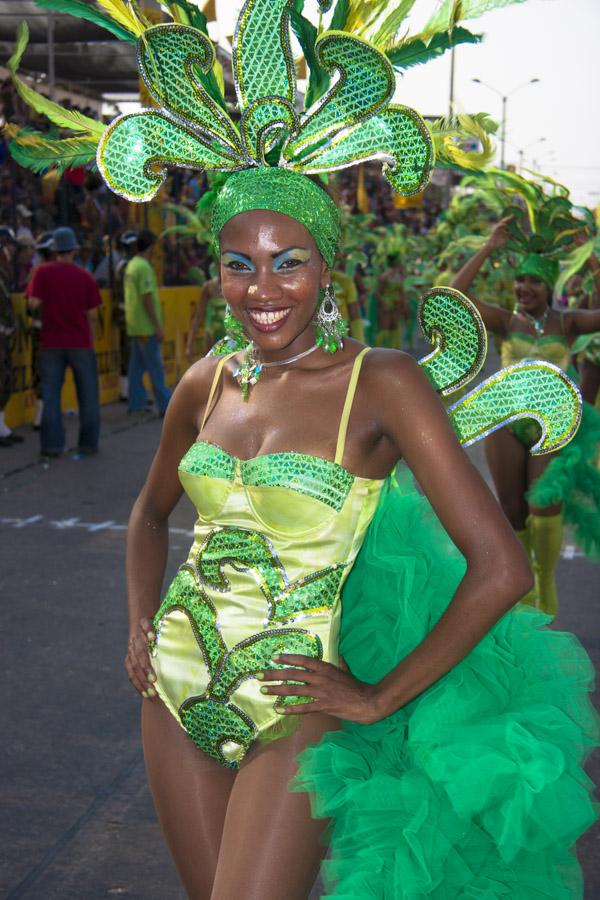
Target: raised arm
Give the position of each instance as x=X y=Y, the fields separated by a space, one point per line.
x=148 y=532
x=496 y=318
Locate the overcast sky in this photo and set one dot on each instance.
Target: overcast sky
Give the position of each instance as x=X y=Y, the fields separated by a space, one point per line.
x=557 y=41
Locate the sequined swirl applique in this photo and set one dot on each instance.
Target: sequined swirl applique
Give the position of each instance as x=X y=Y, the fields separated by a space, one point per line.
x=218 y=726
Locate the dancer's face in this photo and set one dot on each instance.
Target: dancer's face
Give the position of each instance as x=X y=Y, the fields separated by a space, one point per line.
x=533 y=295
x=271 y=275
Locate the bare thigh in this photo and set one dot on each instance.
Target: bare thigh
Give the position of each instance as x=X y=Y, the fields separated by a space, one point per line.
x=271 y=846
x=507 y=460
x=190 y=792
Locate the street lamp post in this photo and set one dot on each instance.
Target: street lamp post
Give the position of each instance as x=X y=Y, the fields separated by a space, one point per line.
x=504 y=104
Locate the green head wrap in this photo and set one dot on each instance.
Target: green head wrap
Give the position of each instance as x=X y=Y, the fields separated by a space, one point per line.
x=539 y=267
x=282 y=191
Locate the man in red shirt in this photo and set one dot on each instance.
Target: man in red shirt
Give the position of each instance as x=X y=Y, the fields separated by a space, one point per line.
x=68 y=298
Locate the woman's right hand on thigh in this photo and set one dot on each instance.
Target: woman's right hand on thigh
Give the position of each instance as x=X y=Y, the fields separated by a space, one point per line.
x=137 y=662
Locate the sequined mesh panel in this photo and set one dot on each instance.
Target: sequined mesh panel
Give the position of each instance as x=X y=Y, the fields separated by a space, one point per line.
x=366 y=83
x=221 y=730
x=398 y=136
x=254 y=655
x=265 y=122
x=207 y=459
x=262 y=61
x=133 y=146
x=169 y=59
x=318 y=478
x=526 y=390
x=455 y=328
x=285 y=192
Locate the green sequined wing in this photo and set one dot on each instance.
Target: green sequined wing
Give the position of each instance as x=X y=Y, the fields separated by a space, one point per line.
x=526 y=390
x=453 y=325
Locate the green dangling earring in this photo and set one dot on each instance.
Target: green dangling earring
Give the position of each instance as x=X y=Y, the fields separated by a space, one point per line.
x=331 y=327
x=235 y=330
x=235 y=338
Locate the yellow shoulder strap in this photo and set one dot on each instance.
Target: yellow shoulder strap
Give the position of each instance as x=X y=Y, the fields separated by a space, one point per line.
x=213 y=388
x=341 y=441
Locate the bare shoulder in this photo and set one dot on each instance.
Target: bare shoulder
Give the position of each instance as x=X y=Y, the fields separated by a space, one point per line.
x=386 y=369
x=198 y=378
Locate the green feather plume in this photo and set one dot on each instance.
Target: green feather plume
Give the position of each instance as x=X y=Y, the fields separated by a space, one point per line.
x=82 y=10
x=416 y=51
x=40 y=152
x=63 y=118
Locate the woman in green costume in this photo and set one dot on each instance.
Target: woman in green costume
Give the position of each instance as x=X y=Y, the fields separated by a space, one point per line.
x=536 y=330
x=323 y=607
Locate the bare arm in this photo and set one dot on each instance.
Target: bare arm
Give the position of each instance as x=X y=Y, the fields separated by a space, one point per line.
x=496 y=318
x=581 y=321
x=497 y=570
x=148 y=534
x=92 y=317
x=497 y=575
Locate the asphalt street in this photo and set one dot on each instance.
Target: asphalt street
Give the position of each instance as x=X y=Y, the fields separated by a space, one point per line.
x=78 y=820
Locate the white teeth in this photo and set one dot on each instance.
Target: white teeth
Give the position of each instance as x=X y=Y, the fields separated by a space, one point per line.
x=268 y=318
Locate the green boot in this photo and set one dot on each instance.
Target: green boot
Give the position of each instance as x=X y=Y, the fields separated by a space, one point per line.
x=546 y=542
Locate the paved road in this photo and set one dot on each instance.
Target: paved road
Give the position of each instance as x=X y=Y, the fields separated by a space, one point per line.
x=78 y=821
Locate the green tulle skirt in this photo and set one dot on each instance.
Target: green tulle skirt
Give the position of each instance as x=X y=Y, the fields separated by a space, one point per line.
x=573 y=479
x=475 y=789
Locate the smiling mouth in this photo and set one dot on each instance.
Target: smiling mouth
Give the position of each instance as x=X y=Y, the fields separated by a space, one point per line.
x=268 y=317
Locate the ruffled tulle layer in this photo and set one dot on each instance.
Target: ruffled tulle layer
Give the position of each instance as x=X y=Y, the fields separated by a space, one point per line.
x=474 y=789
x=573 y=479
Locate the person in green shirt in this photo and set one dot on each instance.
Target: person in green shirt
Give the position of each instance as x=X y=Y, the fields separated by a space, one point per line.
x=144 y=323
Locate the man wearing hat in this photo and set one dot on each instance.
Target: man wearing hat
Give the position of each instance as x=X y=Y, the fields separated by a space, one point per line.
x=8 y=329
x=68 y=298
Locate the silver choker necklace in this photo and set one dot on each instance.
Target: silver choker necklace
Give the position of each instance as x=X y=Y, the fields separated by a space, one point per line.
x=286 y=362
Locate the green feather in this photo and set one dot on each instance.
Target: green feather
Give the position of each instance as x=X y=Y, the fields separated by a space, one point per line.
x=415 y=51
x=340 y=15
x=82 y=10
x=36 y=151
x=307 y=34
x=63 y=118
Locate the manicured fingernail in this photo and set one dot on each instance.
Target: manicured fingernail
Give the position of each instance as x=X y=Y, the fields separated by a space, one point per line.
x=151 y=677
x=260 y=675
x=264 y=690
x=151 y=692
x=280 y=710
x=145 y=695
x=151 y=636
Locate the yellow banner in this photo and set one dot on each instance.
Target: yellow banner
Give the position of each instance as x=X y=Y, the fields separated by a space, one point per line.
x=178 y=305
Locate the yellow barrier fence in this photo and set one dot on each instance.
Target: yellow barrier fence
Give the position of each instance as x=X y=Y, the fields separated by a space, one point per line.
x=178 y=307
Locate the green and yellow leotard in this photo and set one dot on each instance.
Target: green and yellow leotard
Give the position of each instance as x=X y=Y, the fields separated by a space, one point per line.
x=275 y=540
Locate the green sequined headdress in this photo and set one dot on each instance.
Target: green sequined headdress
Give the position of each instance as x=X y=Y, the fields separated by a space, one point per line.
x=542 y=225
x=354 y=120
